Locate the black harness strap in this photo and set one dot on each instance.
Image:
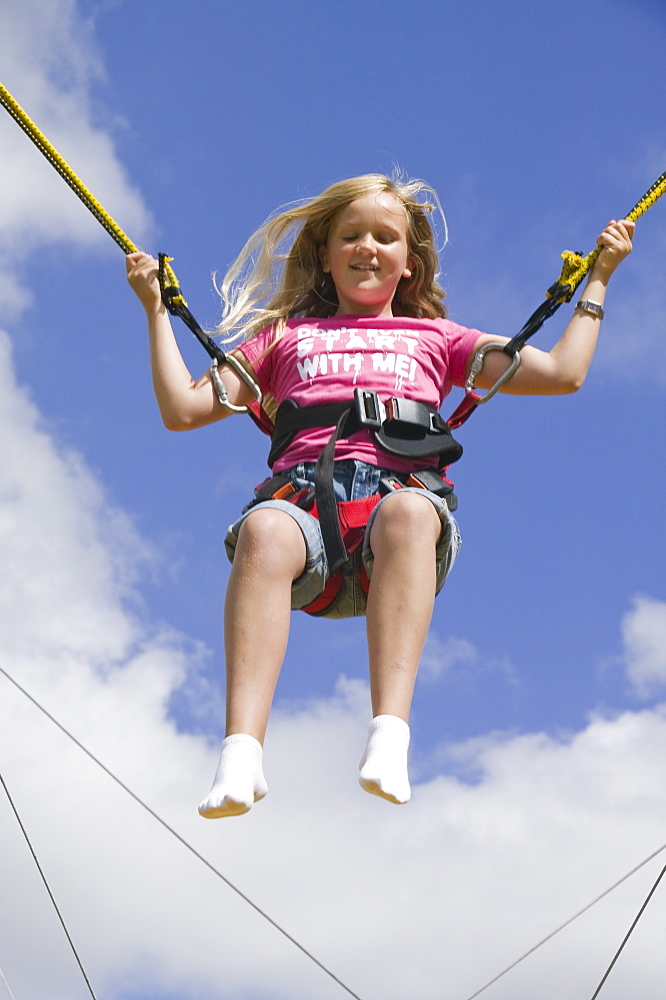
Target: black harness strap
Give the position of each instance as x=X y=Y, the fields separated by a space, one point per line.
x=327 y=505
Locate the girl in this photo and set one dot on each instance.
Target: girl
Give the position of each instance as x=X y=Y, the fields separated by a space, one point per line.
x=352 y=305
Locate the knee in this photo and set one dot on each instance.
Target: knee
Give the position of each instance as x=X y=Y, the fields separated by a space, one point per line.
x=272 y=540
x=406 y=517
x=267 y=530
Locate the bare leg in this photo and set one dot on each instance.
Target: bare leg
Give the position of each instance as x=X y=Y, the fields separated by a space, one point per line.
x=270 y=554
x=400 y=602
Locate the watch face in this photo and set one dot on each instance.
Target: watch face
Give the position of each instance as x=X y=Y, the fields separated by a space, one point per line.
x=594 y=308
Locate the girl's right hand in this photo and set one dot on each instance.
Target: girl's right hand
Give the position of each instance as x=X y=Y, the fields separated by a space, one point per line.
x=616 y=244
x=143 y=276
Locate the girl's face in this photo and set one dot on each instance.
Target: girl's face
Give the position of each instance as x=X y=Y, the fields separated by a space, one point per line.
x=367 y=254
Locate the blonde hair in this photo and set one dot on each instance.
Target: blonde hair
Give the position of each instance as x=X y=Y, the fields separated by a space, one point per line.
x=278 y=274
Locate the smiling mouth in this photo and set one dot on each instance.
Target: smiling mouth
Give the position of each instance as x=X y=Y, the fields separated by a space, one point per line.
x=364 y=267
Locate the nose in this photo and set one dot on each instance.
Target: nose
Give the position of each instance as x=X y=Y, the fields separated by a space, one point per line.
x=366 y=243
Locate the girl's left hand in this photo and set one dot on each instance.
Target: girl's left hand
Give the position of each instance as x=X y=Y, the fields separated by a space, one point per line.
x=143 y=276
x=616 y=244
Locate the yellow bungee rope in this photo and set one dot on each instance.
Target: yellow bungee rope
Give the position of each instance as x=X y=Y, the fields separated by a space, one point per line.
x=576 y=266
x=79 y=188
x=573 y=271
x=171 y=292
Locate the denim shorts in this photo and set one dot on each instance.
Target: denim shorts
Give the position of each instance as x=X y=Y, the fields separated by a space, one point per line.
x=352 y=480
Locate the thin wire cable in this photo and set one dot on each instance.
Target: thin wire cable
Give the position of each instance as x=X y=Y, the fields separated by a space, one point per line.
x=48 y=889
x=2 y=976
x=629 y=932
x=182 y=840
x=270 y=920
x=566 y=923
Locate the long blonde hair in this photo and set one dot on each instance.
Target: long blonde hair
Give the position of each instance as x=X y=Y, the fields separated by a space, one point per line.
x=278 y=273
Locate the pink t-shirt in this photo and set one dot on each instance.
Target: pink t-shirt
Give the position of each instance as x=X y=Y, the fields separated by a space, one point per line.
x=324 y=360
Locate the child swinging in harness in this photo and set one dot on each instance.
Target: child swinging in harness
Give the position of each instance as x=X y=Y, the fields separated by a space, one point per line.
x=345 y=333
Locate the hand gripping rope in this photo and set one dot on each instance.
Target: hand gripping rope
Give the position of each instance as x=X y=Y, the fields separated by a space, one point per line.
x=177 y=306
x=172 y=295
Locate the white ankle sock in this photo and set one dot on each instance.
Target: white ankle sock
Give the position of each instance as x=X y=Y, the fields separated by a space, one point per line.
x=239 y=780
x=384 y=764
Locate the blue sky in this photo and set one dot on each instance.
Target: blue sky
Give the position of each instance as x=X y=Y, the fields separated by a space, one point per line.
x=538 y=727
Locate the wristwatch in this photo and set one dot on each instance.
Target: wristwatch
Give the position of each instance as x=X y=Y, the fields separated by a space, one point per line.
x=593 y=308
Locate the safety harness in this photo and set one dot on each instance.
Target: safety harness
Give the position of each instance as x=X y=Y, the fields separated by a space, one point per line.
x=402 y=427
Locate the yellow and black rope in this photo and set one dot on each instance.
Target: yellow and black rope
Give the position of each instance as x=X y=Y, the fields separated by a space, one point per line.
x=172 y=295
x=576 y=266
x=77 y=185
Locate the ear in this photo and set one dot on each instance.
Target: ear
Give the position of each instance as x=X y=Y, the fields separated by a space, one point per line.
x=411 y=264
x=323 y=257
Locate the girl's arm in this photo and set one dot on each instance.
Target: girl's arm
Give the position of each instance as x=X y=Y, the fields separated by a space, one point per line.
x=183 y=402
x=563 y=369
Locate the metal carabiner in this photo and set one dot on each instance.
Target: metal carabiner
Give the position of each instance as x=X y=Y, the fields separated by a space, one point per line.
x=477 y=365
x=221 y=389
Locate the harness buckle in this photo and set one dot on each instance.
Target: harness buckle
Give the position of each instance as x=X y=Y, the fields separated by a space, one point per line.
x=369 y=408
x=390 y=484
x=409 y=417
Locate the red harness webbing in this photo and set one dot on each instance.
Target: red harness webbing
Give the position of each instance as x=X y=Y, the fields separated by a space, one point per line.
x=353 y=516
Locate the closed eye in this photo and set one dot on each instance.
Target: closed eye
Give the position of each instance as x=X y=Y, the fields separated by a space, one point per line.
x=384 y=237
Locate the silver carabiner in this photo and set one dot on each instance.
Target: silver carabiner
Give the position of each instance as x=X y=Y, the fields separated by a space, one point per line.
x=221 y=389
x=477 y=365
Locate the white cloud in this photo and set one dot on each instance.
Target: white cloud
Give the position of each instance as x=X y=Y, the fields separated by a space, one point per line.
x=458 y=657
x=644 y=638
x=442 y=655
